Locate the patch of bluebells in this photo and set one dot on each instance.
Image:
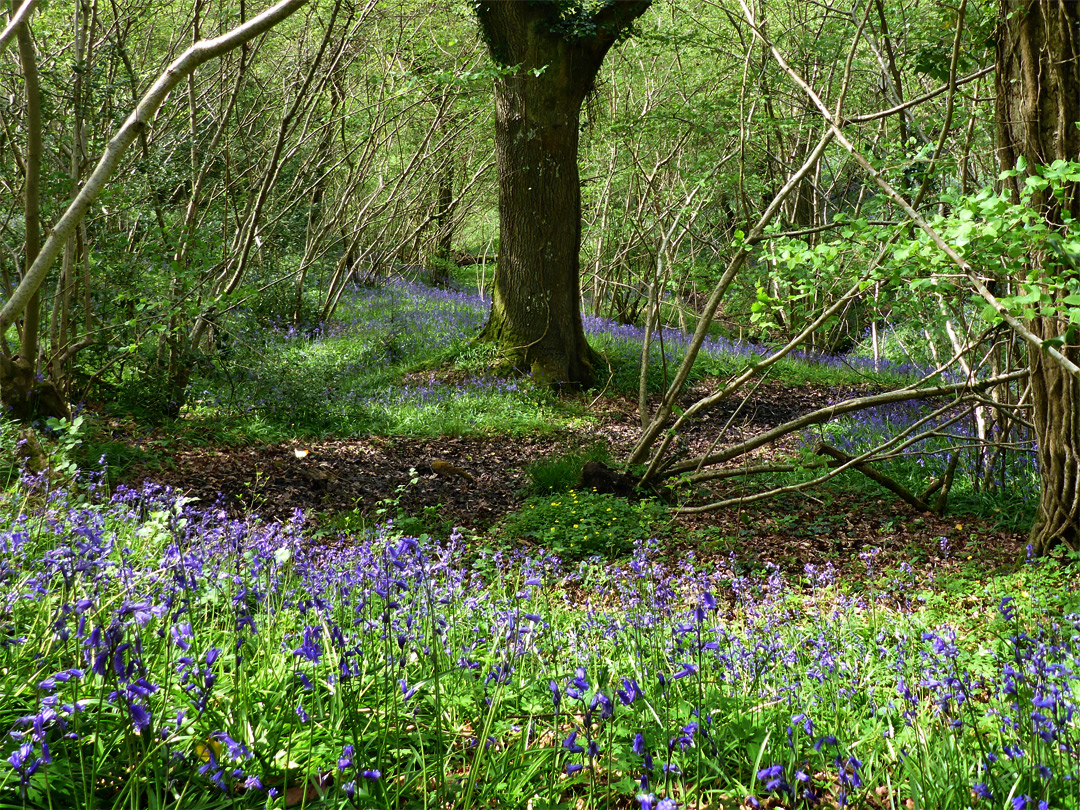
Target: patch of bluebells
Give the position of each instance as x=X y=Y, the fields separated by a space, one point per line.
x=167 y=631
x=672 y=343
x=324 y=374
x=1011 y=467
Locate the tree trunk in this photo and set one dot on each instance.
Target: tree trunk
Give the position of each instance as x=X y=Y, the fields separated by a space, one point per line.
x=444 y=222
x=1055 y=395
x=22 y=394
x=1038 y=106
x=536 y=310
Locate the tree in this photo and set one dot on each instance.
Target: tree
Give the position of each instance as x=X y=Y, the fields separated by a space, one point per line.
x=551 y=52
x=1038 y=122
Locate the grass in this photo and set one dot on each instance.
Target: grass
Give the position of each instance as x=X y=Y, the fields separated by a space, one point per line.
x=388 y=365
x=158 y=654
x=399 y=360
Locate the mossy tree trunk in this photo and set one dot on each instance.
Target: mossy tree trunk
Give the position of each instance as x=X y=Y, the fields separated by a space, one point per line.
x=1038 y=107
x=556 y=50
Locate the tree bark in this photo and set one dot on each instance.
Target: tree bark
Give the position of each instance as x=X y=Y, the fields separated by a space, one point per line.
x=1038 y=107
x=536 y=308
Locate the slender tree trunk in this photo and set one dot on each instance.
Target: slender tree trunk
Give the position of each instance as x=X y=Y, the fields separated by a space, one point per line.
x=536 y=308
x=444 y=221
x=22 y=393
x=1038 y=106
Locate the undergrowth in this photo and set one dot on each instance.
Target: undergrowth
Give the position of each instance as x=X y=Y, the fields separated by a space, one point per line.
x=575 y=524
x=158 y=654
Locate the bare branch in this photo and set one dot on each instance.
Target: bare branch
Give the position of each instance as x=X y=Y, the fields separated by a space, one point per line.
x=138 y=121
x=20 y=16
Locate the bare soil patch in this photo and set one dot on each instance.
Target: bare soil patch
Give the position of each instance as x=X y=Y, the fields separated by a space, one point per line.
x=826 y=525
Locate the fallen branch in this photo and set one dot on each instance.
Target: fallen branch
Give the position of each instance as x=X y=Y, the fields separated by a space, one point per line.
x=877 y=477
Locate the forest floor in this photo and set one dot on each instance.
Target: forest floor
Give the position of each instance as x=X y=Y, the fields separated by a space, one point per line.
x=833 y=524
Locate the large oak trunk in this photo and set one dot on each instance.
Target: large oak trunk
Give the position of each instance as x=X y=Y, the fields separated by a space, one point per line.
x=1038 y=106
x=536 y=310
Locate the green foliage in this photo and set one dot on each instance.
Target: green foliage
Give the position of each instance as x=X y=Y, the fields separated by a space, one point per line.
x=394 y=520
x=1000 y=238
x=623 y=359
x=278 y=305
x=145 y=388
x=118 y=457
x=563 y=472
x=65 y=434
x=578 y=524
x=9 y=442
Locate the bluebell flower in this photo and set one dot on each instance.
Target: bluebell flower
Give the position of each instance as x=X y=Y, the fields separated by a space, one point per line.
x=1008 y=610
x=20 y=756
x=237 y=750
x=807 y=723
x=570 y=743
x=828 y=739
x=982 y=791
x=310 y=649
x=629 y=693
x=345 y=760
x=687 y=669
x=773 y=777
x=140 y=718
x=407 y=692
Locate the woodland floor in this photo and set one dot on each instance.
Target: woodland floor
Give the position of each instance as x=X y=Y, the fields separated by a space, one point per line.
x=822 y=525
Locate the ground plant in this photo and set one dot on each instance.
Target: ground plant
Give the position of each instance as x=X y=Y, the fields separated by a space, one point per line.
x=576 y=524
x=157 y=653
